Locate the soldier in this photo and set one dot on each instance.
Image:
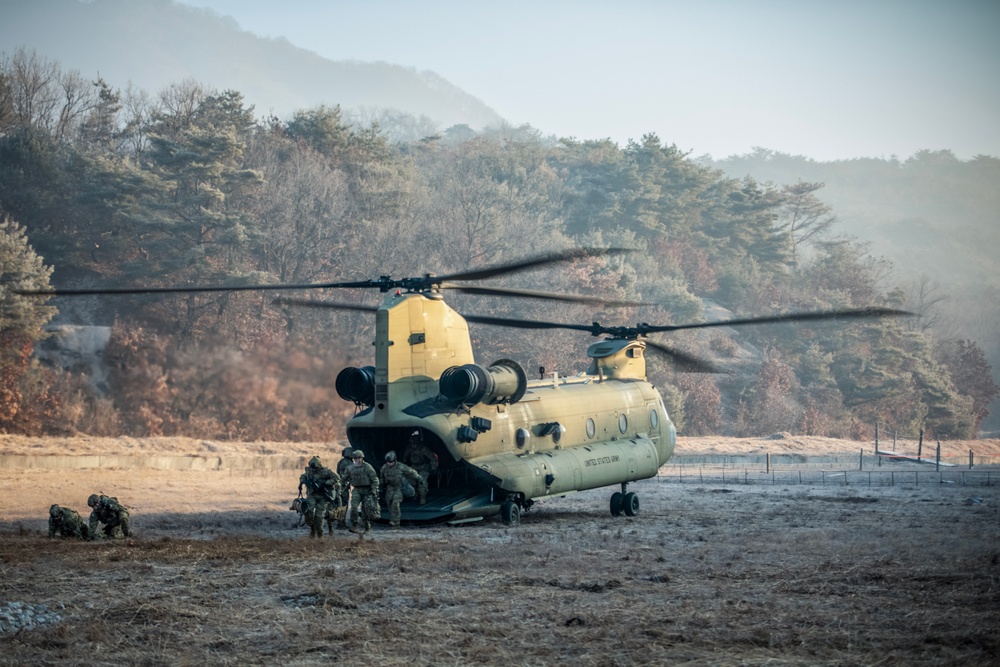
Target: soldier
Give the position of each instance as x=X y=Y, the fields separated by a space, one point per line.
x=111 y=513
x=364 y=482
x=67 y=523
x=419 y=457
x=322 y=493
x=345 y=487
x=393 y=475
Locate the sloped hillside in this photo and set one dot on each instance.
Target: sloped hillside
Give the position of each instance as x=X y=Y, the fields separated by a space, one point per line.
x=153 y=44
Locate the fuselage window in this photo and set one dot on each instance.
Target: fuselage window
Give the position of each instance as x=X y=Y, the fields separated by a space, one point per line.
x=591 y=427
x=654 y=419
x=622 y=423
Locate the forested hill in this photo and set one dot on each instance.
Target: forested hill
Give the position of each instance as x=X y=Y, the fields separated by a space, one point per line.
x=191 y=186
x=934 y=216
x=155 y=43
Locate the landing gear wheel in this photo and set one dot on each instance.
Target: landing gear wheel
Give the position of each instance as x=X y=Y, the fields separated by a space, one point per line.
x=630 y=503
x=510 y=513
x=616 y=503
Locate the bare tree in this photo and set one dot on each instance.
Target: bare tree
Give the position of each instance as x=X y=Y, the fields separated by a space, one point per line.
x=38 y=94
x=805 y=216
x=925 y=299
x=136 y=114
x=395 y=125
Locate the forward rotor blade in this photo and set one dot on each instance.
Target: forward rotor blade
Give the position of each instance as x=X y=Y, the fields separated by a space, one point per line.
x=193 y=288
x=684 y=362
x=384 y=283
x=862 y=313
x=533 y=294
x=533 y=262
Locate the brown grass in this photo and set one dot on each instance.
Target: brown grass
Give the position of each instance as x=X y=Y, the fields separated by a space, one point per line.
x=725 y=575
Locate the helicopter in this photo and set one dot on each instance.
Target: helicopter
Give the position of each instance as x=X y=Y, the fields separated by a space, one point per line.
x=500 y=441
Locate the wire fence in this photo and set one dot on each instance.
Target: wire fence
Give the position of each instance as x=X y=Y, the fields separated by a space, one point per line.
x=824 y=475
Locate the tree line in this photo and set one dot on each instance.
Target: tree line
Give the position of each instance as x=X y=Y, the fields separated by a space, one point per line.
x=103 y=187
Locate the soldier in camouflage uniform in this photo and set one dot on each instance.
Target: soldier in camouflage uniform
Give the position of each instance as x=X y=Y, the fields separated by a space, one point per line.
x=322 y=493
x=364 y=482
x=345 y=485
x=393 y=475
x=67 y=523
x=111 y=513
x=419 y=457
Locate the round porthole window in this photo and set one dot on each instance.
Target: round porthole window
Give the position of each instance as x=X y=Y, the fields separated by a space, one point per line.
x=654 y=419
x=557 y=434
x=591 y=427
x=522 y=437
x=622 y=423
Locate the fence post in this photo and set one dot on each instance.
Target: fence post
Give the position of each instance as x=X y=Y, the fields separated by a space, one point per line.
x=920 y=444
x=970 y=459
x=768 y=455
x=937 y=459
x=876 y=438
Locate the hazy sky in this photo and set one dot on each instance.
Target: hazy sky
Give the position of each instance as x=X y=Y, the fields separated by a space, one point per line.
x=829 y=79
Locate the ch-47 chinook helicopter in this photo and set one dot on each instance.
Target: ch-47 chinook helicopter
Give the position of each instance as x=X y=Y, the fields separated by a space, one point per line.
x=502 y=441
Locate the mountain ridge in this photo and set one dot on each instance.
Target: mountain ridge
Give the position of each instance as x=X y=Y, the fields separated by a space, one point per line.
x=273 y=74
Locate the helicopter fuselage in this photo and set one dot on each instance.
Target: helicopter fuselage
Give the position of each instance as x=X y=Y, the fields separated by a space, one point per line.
x=498 y=437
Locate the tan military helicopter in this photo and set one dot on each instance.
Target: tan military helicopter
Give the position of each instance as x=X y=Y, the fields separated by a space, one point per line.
x=499 y=440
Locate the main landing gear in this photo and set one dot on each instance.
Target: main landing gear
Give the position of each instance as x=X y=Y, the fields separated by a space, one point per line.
x=510 y=511
x=624 y=502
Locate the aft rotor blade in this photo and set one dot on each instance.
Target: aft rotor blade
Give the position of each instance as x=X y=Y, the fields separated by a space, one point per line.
x=863 y=313
x=533 y=294
x=684 y=362
x=533 y=262
x=329 y=305
x=525 y=324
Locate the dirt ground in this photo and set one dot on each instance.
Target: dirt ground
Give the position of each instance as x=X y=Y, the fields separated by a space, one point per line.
x=218 y=572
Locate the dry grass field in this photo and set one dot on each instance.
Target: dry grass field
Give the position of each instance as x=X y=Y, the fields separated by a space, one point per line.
x=218 y=573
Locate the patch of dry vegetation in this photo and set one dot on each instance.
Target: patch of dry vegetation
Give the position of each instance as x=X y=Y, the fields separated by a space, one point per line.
x=704 y=575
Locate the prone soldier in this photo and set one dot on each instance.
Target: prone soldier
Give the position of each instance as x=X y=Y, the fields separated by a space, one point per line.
x=111 y=513
x=394 y=475
x=322 y=493
x=67 y=523
x=364 y=496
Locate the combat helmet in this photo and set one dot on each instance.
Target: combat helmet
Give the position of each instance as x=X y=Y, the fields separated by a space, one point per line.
x=358 y=454
x=348 y=452
x=314 y=462
x=391 y=456
x=54 y=510
x=92 y=500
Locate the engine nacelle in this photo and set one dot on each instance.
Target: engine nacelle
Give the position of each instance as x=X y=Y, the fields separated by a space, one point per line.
x=357 y=385
x=503 y=382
